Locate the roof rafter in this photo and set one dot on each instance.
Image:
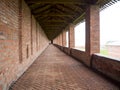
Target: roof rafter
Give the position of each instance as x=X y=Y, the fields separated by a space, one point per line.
x=41 y=6
x=42 y=9
x=55 y=15
x=55 y=21
x=82 y=2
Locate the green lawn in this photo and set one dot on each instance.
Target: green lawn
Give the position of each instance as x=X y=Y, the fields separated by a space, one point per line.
x=103 y=52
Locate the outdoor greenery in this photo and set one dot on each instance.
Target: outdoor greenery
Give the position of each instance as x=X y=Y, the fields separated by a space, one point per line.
x=104 y=51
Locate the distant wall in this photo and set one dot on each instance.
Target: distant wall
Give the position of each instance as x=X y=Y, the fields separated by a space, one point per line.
x=114 y=50
x=107 y=66
x=21 y=40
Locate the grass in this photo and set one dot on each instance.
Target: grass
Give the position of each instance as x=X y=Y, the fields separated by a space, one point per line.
x=103 y=52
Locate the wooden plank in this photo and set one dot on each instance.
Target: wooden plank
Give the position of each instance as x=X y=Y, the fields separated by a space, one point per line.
x=39 y=10
x=81 y=2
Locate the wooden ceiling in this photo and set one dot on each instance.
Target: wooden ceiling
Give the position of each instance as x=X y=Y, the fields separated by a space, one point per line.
x=55 y=15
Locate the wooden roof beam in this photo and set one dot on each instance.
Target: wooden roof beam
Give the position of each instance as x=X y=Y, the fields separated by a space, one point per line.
x=60 y=23
x=54 y=21
x=67 y=9
x=39 y=15
x=42 y=9
x=38 y=6
x=81 y=2
x=33 y=5
x=43 y=18
x=51 y=29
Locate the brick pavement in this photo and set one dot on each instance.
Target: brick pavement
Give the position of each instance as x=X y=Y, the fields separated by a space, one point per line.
x=54 y=70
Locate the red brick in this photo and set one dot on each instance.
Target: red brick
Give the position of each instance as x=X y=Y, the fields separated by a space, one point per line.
x=1 y=87
x=18 y=39
x=64 y=38
x=92 y=30
x=71 y=36
x=108 y=66
x=54 y=70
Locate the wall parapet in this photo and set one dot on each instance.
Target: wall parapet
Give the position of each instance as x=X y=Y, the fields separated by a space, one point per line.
x=107 y=66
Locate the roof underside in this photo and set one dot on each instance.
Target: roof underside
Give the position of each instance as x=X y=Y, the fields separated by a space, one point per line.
x=55 y=15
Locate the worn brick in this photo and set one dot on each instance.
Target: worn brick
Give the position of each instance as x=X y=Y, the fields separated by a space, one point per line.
x=54 y=70
x=17 y=40
x=71 y=36
x=92 y=29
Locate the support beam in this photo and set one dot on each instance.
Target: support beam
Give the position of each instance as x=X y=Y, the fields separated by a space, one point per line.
x=61 y=39
x=60 y=15
x=71 y=36
x=49 y=21
x=42 y=9
x=81 y=2
x=92 y=30
x=58 y=40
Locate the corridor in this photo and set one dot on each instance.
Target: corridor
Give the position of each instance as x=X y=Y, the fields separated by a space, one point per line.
x=54 y=70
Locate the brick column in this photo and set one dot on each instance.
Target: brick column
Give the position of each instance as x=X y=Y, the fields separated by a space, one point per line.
x=20 y=32
x=61 y=39
x=92 y=30
x=55 y=41
x=71 y=36
x=58 y=40
x=64 y=38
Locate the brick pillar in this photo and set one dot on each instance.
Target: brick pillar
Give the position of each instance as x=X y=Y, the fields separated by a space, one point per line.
x=71 y=36
x=20 y=32
x=92 y=30
x=64 y=38
x=55 y=41
x=58 y=40
x=61 y=39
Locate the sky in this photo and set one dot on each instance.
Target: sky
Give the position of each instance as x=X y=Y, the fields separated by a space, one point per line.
x=109 y=26
x=80 y=34
x=110 y=23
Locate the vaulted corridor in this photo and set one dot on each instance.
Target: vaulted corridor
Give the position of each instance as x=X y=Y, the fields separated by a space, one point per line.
x=54 y=70
x=36 y=34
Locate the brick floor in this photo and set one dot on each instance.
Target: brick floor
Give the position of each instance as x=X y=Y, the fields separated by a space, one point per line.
x=54 y=70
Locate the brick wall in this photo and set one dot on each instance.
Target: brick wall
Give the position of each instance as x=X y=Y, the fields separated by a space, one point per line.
x=26 y=31
x=9 y=41
x=34 y=35
x=81 y=55
x=21 y=40
x=114 y=51
x=92 y=44
x=109 y=67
